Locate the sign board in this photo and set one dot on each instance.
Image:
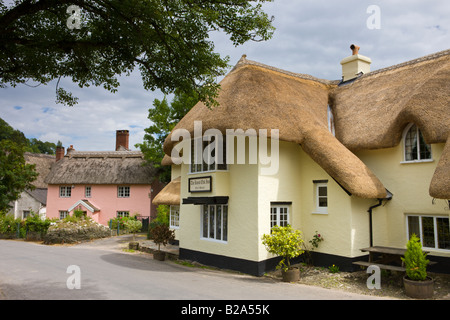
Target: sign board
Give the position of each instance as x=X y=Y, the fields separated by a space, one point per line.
x=200 y=184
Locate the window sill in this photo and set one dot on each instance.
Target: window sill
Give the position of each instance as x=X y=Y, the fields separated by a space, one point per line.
x=214 y=240
x=417 y=161
x=319 y=212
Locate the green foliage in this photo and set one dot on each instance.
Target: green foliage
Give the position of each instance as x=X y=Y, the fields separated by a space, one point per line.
x=162 y=235
x=316 y=240
x=415 y=260
x=30 y=145
x=15 y=174
x=164 y=117
x=8 y=225
x=34 y=223
x=162 y=218
x=333 y=269
x=133 y=226
x=284 y=242
x=168 y=41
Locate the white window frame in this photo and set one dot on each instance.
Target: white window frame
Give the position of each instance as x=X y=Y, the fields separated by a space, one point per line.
x=123 y=191
x=65 y=191
x=63 y=214
x=435 y=231
x=418 y=133
x=174 y=217
x=205 y=234
x=123 y=214
x=205 y=167
x=279 y=215
x=88 y=191
x=321 y=209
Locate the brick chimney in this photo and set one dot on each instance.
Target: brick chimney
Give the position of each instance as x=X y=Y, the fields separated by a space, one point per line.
x=59 y=153
x=355 y=65
x=122 y=137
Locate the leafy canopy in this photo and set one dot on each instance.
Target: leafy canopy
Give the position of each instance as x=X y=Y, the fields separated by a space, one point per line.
x=15 y=174
x=163 y=118
x=167 y=40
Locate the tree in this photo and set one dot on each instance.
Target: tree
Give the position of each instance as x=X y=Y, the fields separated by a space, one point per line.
x=15 y=174
x=94 y=41
x=164 y=117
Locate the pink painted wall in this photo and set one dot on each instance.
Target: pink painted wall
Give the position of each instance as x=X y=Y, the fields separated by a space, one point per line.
x=104 y=197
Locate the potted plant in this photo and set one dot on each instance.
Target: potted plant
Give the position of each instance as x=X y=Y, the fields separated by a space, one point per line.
x=416 y=281
x=162 y=235
x=133 y=226
x=286 y=243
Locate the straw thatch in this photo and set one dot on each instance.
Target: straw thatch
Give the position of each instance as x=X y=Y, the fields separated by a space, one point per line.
x=43 y=164
x=254 y=96
x=115 y=167
x=371 y=112
x=170 y=194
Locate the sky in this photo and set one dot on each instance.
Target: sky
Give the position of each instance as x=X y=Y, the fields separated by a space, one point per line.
x=311 y=37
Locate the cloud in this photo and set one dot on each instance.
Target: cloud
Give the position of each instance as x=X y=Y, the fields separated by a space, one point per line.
x=312 y=37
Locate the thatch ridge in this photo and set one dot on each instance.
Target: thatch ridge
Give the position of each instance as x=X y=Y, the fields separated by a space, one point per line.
x=115 y=167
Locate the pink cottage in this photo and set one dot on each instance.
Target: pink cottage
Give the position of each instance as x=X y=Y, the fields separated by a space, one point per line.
x=102 y=184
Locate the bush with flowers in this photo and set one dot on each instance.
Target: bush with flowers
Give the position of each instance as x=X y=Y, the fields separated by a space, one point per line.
x=75 y=229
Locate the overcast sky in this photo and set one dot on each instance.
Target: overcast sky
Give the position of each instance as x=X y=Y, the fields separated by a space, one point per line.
x=312 y=37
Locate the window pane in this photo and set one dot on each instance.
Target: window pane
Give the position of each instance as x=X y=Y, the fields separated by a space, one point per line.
x=443 y=230
x=425 y=149
x=219 y=223
x=225 y=222
x=323 y=202
x=212 y=221
x=428 y=232
x=411 y=144
x=413 y=226
x=205 y=221
x=322 y=191
x=273 y=217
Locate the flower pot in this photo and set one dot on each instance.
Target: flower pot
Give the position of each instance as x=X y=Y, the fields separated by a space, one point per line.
x=291 y=275
x=134 y=245
x=159 y=255
x=419 y=289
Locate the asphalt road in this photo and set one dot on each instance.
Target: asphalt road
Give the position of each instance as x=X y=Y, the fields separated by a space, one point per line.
x=40 y=272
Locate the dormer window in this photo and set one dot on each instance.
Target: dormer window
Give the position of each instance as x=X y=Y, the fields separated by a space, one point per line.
x=415 y=147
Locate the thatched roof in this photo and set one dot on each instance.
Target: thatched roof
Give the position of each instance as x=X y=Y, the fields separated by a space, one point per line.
x=371 y=112
x=170 y=194
x=108 y=167
x=43 y=164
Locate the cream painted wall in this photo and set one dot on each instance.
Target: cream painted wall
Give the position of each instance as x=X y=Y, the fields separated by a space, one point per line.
x=409 y=183
x=345 y=227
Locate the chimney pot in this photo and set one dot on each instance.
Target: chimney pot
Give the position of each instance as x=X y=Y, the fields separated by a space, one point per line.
x=355 y=65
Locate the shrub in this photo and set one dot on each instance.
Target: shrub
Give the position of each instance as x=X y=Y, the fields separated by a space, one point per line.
x=284 y=242
x=8 y=226
x=162 y=235
x=162 y=218
x=75 y=230
x=415 y=260
x=133 y=226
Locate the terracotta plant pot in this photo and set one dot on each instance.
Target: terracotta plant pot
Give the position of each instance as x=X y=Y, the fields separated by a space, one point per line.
x=291 y=275
x=159 y=255
x=419 y=289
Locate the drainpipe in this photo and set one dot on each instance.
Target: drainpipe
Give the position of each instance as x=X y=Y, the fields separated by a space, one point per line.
x=380 y=201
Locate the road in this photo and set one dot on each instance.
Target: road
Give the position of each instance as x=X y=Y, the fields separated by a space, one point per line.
x=39 y=272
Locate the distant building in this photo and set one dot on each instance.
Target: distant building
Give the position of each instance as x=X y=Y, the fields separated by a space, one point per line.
x=102 y=184
x=34 y=201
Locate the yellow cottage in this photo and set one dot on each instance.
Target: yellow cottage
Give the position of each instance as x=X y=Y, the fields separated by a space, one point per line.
x=364 y=162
